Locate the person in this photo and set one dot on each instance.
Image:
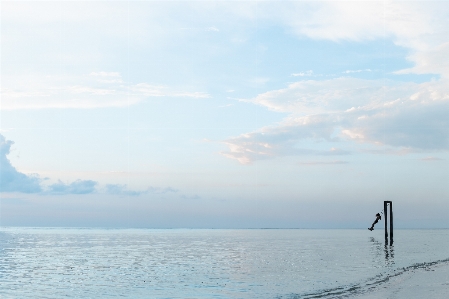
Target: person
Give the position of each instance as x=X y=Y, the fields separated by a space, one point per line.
x=375 y=221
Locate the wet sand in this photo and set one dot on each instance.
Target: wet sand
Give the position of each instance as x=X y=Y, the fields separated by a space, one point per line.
x=432 y=283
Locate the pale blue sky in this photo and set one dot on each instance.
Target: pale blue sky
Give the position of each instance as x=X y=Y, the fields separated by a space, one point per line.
x=224 y=114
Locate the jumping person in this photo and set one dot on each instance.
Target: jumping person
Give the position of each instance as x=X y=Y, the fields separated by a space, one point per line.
x=375 y=221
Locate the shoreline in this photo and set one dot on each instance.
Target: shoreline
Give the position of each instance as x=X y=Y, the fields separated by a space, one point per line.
x=430 y=282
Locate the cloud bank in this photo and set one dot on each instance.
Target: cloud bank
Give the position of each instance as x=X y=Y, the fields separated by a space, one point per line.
x=333 y=113
x=118 y=189
x=11 y=180
x=76 y=187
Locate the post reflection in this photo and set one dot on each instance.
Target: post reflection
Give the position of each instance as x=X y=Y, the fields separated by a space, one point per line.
x=389 y=254
x=387 y=250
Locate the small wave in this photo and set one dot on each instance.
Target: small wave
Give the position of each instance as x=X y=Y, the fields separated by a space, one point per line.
x=365 y=286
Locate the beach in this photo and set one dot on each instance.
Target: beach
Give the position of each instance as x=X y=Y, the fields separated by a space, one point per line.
x=427 y=282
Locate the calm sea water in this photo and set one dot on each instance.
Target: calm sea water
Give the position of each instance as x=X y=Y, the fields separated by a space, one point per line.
x=141 y=263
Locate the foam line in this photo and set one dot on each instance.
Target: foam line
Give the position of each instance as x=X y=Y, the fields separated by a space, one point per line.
x=366 y=286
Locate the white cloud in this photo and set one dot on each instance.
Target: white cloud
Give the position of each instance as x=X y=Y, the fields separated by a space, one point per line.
x=402 y=117
x=225 y=106
x=294 y=136
x=407 y=22
x=314 y=97
x=337 y=21
x=433 y=61
x=12 y=180
x=107 y=77
x=96 y=90
x=163 y=91
x=90 y=90
x=303 y=74
x=416 y=25
x=215 y=29
x=106 y=74
x=356 y=71
x=412 y=24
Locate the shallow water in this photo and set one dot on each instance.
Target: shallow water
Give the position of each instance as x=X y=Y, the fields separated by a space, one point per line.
x=141 y=263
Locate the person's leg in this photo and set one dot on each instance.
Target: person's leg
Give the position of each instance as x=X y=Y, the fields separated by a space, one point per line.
x=374 y=223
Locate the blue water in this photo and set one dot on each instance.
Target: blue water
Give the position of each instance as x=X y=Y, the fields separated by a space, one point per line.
x=142 y=263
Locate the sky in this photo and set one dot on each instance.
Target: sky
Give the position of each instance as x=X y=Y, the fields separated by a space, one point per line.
x=224 y=114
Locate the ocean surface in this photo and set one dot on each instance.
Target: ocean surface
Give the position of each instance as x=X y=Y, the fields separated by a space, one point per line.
x=200 y=263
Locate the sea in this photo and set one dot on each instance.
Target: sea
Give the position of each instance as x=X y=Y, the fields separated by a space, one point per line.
x=222 y=263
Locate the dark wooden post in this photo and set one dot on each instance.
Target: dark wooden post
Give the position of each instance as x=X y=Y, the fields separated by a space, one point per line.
x=391 y=222
x=385 y=219
x=386 y=203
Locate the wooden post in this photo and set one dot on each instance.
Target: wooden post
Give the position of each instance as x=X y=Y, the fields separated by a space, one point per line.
x=386 y=203
x=385 y=219
x=391 y=222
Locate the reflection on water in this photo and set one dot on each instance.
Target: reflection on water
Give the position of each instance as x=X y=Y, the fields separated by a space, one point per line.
x=389 y=254
x=384 y=250
x=221 y=264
